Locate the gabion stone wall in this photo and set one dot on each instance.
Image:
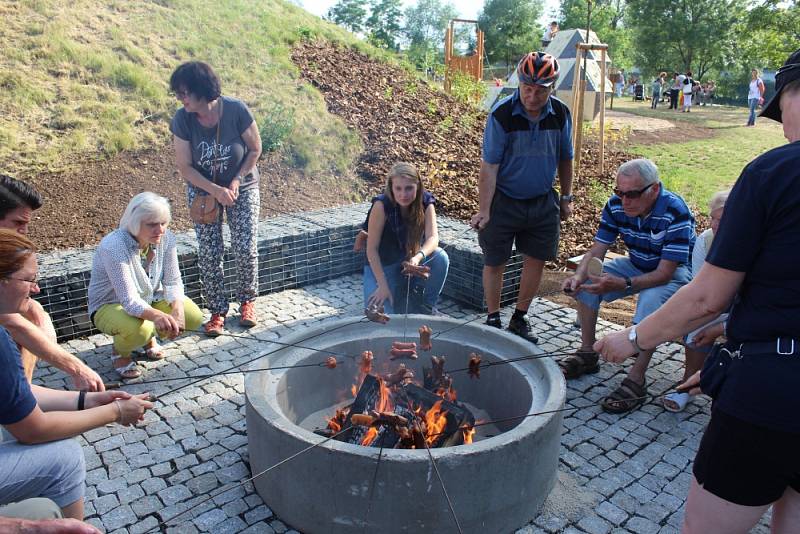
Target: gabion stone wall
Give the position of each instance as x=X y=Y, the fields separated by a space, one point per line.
x=294 y=250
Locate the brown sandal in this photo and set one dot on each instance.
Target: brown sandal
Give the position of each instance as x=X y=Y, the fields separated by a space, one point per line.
x=628 y=396
x=579 y=364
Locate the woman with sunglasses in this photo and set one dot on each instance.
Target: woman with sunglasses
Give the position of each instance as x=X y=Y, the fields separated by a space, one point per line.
x=40 y=461
x=217 y=146
x=748 y=459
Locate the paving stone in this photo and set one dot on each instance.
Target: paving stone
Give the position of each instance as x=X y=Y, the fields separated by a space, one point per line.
x=111 y=486
x=105 y=504
x=202 y=484
x=147 y=505
x=130 y=494
x=640 y=525
x=594 y=525
x=258 y=528
x=230 y=526
x=153 y=485
x=146 y=525
x=118 y=517
x=613 y=514
x=174 y=494
x=257 y=514
x=210 y=519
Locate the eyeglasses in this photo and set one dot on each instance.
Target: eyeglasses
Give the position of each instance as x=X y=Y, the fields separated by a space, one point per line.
x=787 y=68
x=34 y=281
x=633 y=195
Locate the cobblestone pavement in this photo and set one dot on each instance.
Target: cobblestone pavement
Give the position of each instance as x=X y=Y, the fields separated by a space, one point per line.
x=616 y=474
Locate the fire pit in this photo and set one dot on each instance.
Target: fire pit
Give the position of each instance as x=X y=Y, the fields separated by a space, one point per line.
x=496 y=484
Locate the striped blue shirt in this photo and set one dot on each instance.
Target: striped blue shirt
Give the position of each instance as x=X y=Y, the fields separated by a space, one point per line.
x=667 y=233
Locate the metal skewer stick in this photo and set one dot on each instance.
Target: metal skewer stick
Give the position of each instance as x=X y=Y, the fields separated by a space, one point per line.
x=441 y=482
x=252 y=478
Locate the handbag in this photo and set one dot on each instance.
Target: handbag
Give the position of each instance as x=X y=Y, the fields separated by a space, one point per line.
x=715 y=369
x=205 y=209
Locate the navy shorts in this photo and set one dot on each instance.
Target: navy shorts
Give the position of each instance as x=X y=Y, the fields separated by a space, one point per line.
x=747 y=464
x=532 y=224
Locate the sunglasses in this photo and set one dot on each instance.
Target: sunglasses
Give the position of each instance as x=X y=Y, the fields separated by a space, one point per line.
x=633 y=195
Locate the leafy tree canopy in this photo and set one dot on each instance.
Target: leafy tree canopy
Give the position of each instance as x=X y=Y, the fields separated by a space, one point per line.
x=349 y=14
x=384 y=23
x=510 y=28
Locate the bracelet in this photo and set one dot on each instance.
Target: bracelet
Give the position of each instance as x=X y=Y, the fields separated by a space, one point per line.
x=119 y=410
x=81 y=400
x=423 y=254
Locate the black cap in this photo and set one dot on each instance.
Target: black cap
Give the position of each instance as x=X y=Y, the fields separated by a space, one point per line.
x=789 y=72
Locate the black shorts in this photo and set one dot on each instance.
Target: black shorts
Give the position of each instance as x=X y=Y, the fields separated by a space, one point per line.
x=747 y=464
x=533 y=223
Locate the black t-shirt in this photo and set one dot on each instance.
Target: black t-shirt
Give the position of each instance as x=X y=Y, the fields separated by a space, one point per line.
x=229 y=155
x=392 y=248
x=760 y=235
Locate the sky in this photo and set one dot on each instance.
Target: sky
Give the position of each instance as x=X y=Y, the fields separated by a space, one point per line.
x=468 y=9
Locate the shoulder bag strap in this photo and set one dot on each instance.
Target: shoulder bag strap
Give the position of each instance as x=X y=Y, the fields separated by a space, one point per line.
x=214 y=165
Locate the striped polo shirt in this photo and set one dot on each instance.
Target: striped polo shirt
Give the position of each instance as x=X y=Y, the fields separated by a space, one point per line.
x=527 y=150
x=667 y=233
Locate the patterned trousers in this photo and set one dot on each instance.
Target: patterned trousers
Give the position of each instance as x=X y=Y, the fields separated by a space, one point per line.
x=243 y=223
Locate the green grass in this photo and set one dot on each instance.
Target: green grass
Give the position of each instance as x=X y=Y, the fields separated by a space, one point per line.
x=697 y=168
x=92 y=76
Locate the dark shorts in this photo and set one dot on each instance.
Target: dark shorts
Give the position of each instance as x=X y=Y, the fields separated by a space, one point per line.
x=533 y=224
x=747 y=464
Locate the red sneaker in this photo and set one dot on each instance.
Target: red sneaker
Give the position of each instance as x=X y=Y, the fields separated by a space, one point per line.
x=248 y=314
x=215 y=326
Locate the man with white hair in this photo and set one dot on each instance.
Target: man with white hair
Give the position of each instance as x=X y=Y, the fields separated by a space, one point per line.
x=658 y=229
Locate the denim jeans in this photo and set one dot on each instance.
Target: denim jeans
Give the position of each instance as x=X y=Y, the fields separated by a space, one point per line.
x=753 y=103
x=429 y=289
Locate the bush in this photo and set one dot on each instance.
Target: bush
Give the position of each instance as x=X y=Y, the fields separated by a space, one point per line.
x=276 y=126
x=465 y=88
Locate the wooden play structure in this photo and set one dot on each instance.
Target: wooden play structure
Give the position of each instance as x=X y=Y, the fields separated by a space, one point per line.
x=577 y=102
x=471 y=65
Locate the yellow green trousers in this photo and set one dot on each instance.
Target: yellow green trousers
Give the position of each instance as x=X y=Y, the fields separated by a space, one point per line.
x=130 y=332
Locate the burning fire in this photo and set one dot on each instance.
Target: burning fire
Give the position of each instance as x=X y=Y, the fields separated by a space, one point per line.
x=370 y=436
x=468 y=434
x=435 y=421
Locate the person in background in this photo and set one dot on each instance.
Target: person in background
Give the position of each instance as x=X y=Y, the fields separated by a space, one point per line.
x=33 y=332
x=686 y=88
x=40 y=461
x=674 y=90
x=549 y=34
x=747 y=462
x=526 y=143
x=697 y=344
x=135 y=289
x=217 y=146
x=657 y=87
x=401 y=229
x=755 y=96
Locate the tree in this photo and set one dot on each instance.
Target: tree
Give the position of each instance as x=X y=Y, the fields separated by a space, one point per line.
x=608 y=22
x=510 y=28
x=425 y=27
x=384 y=23
x=684 y=35
x=768 y=34
x=349 y=14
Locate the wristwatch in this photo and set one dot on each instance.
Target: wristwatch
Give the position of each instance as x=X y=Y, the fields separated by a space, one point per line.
x=634 y=339
x=567 y=198
x=628 y=283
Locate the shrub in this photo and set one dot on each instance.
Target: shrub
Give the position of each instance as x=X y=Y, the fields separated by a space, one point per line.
x=276 y=126
x=465 y=88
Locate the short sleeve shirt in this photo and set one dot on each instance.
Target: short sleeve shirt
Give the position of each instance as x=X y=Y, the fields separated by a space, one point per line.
x=528 y=151
x=229 y=154
x=667 y=233
x=759 y=235
x=16 y=399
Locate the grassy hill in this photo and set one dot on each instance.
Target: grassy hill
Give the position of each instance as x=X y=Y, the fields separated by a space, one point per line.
x=88 y=79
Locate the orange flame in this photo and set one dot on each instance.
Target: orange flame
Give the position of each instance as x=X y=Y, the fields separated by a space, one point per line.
x=354 y=390
x=370 y=436
x=468 y=434
x=435 y=421
x=334 y=425
x=384 y=403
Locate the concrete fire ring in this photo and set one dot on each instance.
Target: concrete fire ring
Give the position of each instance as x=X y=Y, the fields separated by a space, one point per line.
x=496 y=485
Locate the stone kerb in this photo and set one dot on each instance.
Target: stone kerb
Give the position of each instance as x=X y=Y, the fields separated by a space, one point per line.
x=294 y=250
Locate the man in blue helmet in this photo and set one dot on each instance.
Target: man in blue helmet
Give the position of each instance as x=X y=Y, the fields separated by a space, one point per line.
x=527 y=141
